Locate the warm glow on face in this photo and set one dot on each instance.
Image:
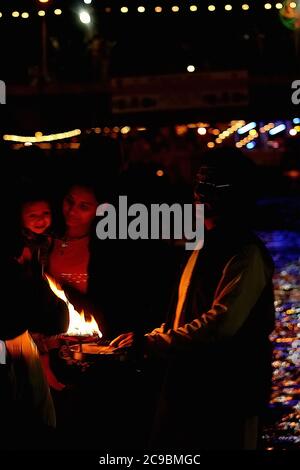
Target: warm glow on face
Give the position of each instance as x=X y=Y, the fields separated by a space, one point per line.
x=78 y=326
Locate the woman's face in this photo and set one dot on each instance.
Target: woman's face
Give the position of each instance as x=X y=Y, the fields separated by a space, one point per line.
x=36 y=216
x=79 y=207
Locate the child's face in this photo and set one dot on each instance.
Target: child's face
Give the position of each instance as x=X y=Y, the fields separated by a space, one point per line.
x=36 y=216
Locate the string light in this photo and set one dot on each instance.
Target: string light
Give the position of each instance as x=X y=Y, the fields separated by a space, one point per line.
x=25 y=15
x=211 y=7
x=57 y=11
x=190 y=68
x=39 y=137
x=175 y=8
x=193 y=8
x=245 y=7
x=124 y=10
x=141 y=9
x=279 y=6
x=228 y=7
x=268 y=6
x=15 y=14
x=41 y=13
x=158 y=9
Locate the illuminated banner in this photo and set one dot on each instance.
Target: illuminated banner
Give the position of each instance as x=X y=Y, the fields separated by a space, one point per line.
x=180 y=91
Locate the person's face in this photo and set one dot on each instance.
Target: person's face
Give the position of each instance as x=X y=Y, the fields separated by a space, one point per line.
x=205 y=191
x=79 y=207
x=36 y=216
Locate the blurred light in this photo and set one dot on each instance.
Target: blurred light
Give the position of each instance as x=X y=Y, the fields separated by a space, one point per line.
x=268 y=6
x=190 y=68
x=25 y=15
x=211 y=145
x=211 y=8
x=97 y=130
x=87 y=2
x=253 y=132
x=277 y=129
x=279 y=6
x=193 y=8
x=39 y=137
x=216 y=132
x=247 y=127
x=124 y=10
x=141 y=9
x=201 y=130
x=107 y=10
x=293 y=132
x=57 y=11
x=125 y=130
x=175 y=8
x=159 y=173
x=41 y=13
x=0 y=15
x=296 y=121
x=84 y=17
x=116 y=129
x=218 y=140
x=228 y=7
x=15 y=14
x=250 y=145
x=27 y=144
x=106 y=130
x=158 y=9
x=245 y=6
x=293 y=5
x=43 y=1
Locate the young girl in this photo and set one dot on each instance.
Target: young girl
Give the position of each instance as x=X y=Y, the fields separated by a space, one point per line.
x=35 y=240
x=34 y=244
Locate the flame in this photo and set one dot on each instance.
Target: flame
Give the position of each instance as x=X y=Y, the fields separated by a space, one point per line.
x=78 y=325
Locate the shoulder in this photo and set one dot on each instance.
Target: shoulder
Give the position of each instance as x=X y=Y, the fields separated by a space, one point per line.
x=252 y=255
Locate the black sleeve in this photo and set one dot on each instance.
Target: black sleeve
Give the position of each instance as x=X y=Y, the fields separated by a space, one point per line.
x=29 y=305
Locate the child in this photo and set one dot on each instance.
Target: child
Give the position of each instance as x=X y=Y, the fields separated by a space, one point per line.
x=34 y=246
x=36 y=220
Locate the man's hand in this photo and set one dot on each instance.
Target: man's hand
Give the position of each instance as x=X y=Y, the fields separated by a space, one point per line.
x=123 y=341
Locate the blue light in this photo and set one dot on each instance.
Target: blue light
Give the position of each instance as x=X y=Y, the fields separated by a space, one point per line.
x=250 y=145
x=247 y=127
x=296 y=121
x=277 y=129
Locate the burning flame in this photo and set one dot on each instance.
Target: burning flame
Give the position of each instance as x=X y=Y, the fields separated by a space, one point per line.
x=78 y=325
